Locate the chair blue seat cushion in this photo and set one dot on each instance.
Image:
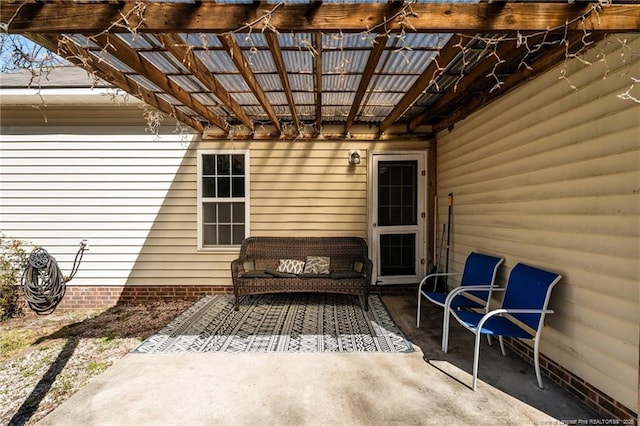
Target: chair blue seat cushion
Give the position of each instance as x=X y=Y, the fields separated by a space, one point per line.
x=457 y=302
x=496 y=325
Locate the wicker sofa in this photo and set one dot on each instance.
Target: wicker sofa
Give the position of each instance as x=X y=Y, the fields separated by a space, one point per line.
x=255 y=271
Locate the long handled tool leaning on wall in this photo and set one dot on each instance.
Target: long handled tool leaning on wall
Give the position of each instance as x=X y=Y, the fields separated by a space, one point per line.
x=449 y=214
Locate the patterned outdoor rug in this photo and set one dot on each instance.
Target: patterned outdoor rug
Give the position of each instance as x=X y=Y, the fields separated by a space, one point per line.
x=281 y=323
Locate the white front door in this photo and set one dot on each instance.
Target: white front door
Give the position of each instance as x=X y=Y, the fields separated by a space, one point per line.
x=398 y=217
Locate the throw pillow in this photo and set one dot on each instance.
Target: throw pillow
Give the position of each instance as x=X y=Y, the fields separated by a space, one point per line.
x=249 y=265
x=290 y=266
x=358 y=266
x=317 y=265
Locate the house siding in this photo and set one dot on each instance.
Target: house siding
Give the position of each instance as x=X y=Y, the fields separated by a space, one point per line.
x=132 y=195
x=550 y=176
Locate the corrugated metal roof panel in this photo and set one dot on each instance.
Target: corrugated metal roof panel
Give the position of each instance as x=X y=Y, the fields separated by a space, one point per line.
x=164 y=62
x=394 y=83
x=251 y=40
x=256 y=112
x=405 y=61
x=345 y=41
x=136 y=41
x=269 y=82
x=206 y=99
x=169 y=98
x=303 y=98
x=189 y=83
x=299 y=40
x=216 y=61
x=260 y=61
x=233 y=82
x=337 y=98
x=423 y=40
x=348 y=61
x=301 y=82
x=245 y=98
x=335 y=113
x=277 y=98
x=298 y=61
x=374 y=112
x=113 y=61
x=346 y=82
x=384 y=98
x=144 y=82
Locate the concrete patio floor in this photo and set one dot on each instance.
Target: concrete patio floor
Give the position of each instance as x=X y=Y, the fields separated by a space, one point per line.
x=423 y=387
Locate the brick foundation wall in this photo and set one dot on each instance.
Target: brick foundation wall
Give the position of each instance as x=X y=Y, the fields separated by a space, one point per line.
x=595 y=399
x=87 y=297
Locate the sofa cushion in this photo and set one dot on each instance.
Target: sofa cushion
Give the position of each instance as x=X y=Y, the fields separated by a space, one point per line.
x=256 y=274
x=290 y=266
x=317 y=265
x=303 y=275
x=338 y=275
x=278 y=274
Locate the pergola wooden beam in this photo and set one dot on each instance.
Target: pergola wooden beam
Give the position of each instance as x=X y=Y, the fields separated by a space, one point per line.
x=436 y=66
x=369 y=69
x=230 y=44
x=116 y=46
x=178 y=48
x=276 y=53
x=83 y=58
x=161 y=17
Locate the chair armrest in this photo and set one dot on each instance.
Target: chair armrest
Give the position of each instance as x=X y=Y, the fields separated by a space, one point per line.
x=437 y=274
x=236 y=267
x=501 y=311
x=468 y=288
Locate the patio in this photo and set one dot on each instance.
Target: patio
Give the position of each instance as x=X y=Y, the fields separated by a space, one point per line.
x=423 y=387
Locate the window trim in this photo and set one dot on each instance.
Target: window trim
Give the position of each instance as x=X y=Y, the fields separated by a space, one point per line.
x=200 y=199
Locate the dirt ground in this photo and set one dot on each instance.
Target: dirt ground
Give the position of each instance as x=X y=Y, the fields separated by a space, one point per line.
x=46 y=359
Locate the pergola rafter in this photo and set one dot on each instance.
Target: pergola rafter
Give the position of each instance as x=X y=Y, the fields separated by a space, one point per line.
x=385 y=67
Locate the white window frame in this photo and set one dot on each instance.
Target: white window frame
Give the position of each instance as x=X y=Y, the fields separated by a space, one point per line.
x=201 y=200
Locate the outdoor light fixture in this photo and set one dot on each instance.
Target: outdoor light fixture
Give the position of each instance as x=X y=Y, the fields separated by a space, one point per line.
x=354 y=157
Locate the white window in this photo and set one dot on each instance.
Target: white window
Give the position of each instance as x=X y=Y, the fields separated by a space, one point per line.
x=223 y=198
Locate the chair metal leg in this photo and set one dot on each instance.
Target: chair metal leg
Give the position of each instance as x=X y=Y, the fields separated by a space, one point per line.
x=445 y=331
x=502 y=346
x=536 y=360
x=418 y=315
x=476 y=355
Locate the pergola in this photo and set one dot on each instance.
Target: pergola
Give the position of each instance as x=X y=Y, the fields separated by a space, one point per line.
x=298 y=69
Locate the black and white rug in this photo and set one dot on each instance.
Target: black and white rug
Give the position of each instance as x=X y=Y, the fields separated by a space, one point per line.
x=302 y=322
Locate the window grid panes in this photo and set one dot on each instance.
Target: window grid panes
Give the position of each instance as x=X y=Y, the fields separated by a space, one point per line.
x=397 y=193
x=223 y=199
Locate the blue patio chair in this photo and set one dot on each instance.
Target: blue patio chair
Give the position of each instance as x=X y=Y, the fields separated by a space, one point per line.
x=477 y=280
x=525 y=300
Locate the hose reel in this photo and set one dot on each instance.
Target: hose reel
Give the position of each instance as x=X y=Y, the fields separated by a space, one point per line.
x=43 y=284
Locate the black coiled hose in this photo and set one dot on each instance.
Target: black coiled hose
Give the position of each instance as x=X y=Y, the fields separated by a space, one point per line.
x=43 y=284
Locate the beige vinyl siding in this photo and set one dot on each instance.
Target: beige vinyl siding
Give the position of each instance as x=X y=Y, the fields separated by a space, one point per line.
x=550 y=176
x=134 y=197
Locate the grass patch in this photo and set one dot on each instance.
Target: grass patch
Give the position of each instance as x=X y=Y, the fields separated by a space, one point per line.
x=13 y=342
x=96 y=367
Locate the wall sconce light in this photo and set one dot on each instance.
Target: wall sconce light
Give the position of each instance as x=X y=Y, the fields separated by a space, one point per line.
x=354 y=157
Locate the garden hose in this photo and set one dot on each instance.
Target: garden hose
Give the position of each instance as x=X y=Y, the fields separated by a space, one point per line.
x=43 y=284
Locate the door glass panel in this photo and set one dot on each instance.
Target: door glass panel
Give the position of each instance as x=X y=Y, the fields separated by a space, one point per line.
x=397 y=254
x=397 y=193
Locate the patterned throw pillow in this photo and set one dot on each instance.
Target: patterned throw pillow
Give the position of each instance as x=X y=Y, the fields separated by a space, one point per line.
x=290 y=266
x=317 y=265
